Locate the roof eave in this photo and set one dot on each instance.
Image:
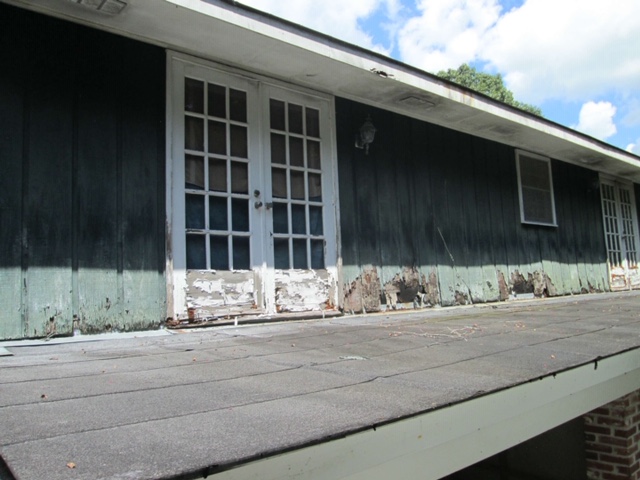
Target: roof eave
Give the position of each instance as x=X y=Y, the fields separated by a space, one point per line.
x=244 y=38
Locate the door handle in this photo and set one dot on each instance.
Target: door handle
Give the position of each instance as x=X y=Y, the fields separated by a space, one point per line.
x=257 y=205
x=269 y=205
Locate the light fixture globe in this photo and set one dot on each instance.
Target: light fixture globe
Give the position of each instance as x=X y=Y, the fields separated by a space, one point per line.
x=366 y=135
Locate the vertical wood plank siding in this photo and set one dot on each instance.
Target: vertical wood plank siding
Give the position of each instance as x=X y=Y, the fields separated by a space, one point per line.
x=82 y=158
x=431 y=216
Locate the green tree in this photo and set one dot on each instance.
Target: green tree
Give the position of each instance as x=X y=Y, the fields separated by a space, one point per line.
x=491 y=85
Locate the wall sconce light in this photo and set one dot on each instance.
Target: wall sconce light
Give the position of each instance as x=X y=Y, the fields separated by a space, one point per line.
x=366 y=135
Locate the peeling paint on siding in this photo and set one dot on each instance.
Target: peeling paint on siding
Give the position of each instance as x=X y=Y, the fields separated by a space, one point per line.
x=221 y=293
x=302 y=290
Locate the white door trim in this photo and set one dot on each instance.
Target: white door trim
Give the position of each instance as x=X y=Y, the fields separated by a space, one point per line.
x=179 y=65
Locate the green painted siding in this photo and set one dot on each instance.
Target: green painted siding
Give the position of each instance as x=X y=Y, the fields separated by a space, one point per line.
x=434 y=213
x=82 y=154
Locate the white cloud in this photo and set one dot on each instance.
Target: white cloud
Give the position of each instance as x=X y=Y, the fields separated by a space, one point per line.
x=545 y=49
x=569 y=49
x=634 y=147
x=447 y=33
x=338 y=18
x=596 y=119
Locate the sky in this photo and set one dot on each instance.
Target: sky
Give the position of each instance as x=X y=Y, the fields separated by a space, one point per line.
x=578 y=60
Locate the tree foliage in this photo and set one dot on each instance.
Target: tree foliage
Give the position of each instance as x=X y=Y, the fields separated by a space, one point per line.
x=491 y=85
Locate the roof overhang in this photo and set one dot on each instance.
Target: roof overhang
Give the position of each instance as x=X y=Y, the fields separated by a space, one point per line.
x=261 y=44
x=421 y=446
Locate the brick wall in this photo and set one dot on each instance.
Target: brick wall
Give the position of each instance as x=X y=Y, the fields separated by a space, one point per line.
x=612 y=437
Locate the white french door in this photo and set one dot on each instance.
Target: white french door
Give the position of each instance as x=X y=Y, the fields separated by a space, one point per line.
x=621 y=233
x=252 y=200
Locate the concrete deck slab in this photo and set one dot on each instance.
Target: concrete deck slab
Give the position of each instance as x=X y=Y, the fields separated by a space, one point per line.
x=190 y=403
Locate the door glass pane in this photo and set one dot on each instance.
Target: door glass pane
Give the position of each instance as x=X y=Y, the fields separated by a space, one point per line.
x=193 y=172
x=217 y=101
x=217 y=131
x=240 y=214
x=241 y=253
x=196 y=253
x=239 y=177
x=295 y=118
x=300 y=253
x=278 y=149
x=297 y=185
x=276 y=114
x=218 y=213
x=315 y=187
x=296 y=152
x=315 y=221
x=313 y=122
x=194 y=211
x=219 y=248
x=217 y=138
x=313 y=154
x=281 y=253
x=217 y=175
x=317 y=254
x=279 y=182
x=193 y=95
x=298 y=219
x=238 y=105
x=239 y=145
x=194 y=134
x=296 y=180
x=280 y=218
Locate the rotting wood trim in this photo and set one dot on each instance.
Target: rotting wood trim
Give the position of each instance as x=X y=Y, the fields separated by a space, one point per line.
x=404 y=288
x=363 y=294
x=503 y=288
x=537 y=283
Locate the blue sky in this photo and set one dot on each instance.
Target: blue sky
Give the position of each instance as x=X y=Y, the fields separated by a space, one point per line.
x=579 y=60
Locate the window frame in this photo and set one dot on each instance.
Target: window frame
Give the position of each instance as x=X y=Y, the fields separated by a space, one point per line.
x=533 y=156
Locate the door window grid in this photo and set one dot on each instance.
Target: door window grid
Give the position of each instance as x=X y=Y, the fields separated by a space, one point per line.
x=619 y=226
x=611 y=224
x=628 y=232
x=296 y=179
x=216 y=177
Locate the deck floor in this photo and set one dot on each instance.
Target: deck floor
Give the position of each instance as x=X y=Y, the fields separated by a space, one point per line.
x=189 y=403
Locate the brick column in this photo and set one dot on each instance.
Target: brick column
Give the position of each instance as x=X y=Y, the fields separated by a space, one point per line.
x=612 y=437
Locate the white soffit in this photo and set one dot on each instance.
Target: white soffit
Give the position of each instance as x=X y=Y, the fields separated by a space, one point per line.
x=240 y=37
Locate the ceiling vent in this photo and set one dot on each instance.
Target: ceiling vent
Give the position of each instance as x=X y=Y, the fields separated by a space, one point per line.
x=416 y=102
x=111 y=7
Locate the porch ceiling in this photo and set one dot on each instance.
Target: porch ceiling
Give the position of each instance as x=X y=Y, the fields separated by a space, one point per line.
x=251 y=41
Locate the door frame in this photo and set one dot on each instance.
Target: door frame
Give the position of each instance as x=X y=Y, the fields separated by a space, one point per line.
x=616 y=183
x=262 y=262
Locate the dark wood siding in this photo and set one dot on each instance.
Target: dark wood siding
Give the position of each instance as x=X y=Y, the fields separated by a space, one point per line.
x=82 y=155
x=433 y=214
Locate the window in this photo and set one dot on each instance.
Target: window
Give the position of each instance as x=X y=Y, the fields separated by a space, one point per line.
x=535 y=188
